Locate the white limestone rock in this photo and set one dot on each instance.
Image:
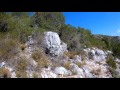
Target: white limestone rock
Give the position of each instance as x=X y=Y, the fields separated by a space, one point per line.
x=77 y=58
x=53 y=45
x=2 y=64
x=99 y=52
x=62 y=71
x=46 y=73
x=87 y=71
x=76 y=70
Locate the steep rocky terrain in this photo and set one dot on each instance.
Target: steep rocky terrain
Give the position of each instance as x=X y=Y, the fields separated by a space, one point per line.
x=93 y=64
x=42 y=46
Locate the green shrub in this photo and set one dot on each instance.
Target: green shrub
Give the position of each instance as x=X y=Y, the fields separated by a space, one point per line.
x=111 y=63
x=48 y=20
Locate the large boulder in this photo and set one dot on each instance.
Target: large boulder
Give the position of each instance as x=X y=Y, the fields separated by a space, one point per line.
x=99 y=55
x=53 y=45
x=99 y=52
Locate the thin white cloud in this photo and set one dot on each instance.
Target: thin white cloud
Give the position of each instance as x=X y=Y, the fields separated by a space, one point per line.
x=118 y=31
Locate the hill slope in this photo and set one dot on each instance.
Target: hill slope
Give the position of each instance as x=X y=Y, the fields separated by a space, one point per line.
x=44 y=46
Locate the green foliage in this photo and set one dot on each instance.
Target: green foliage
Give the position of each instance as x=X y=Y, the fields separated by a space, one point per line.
x=87 y=39
x=20 y=14
x=116 y=49
x=111 y=63
x=68 y=34
x=48 y=20
x=19 y=28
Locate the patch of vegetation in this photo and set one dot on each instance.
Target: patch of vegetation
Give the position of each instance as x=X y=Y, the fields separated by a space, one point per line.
x=96 y=72
x=22 y=47
x=8 y=48
x=51 y=21
x=71 y=54
x=4 y=73
x=40 y=57
x=111 y=63
x=35 y=75
x=67 y=65
x=21 y=74
x=115 y=74
x=21 y=67
x=80 y=64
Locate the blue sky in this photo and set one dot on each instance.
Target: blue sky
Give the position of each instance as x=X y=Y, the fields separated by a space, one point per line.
x=107 y=23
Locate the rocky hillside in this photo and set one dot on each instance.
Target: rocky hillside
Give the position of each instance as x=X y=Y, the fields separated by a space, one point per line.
x=42 y=46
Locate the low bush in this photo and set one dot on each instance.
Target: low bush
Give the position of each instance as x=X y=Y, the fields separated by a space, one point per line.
x=111 y=63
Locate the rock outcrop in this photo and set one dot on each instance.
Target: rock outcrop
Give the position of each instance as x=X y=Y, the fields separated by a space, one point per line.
x=95 y=54
x=53 y=45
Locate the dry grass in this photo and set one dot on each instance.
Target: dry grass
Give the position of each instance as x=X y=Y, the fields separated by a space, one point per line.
x=4 y=73
x=96 y=72
x=8 y=48
x=70 y=54
x=21 y=74
x=22 y=47
x=35 y=75
x=21 y=66
x=40 y=57
x=80 y=64
x=67 y=65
